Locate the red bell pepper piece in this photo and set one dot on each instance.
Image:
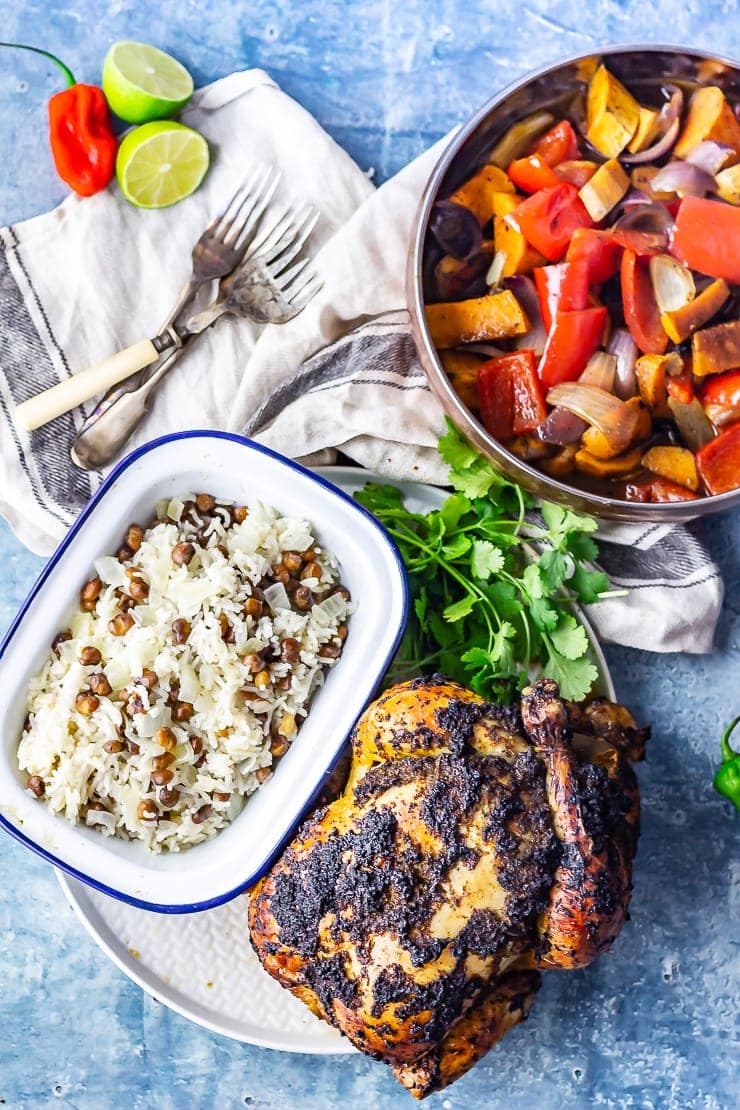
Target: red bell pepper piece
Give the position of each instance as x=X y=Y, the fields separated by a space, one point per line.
x=573 y=338
x=658 y=491
x=681 y=386
x=510 y=395
x=718 y=461
x=641 y=312
x=532 y=174
x=706 y=237
x=548 y=219
x=559 y=144
x=597 y=252
x=723 y=389
x=561 y=288
x=83 y=143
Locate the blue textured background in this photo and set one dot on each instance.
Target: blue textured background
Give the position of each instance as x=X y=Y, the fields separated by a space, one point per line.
x=655 y=1023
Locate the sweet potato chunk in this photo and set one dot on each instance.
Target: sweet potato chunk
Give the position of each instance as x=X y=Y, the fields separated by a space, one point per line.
x=477 y=193
x=677 y=464
x=709 y=117
x=716 y=349
x=605 y=189
x=462 y=370
x=651 y=373
x=608 y=468
x=683 y=322
x=612 y=113
x=520 y=257
x=497 y=316
x=647 y=129
x=728 y=184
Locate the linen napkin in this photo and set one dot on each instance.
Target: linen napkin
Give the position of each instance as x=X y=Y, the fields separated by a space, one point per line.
x=95 y=275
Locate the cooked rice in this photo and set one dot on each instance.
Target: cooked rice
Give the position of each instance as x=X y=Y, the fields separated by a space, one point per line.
x=222 y=752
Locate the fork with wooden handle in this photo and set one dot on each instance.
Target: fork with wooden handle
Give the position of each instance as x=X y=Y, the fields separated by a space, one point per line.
x=265 y=288
x=219 y=250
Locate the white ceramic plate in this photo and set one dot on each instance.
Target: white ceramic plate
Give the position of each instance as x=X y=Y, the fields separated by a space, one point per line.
x=202 y=965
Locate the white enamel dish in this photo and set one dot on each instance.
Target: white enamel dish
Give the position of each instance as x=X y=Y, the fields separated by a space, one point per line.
x=202 y=965
x=370 y=566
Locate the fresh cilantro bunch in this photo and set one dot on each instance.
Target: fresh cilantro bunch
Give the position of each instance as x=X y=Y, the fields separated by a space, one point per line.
x=491 y=587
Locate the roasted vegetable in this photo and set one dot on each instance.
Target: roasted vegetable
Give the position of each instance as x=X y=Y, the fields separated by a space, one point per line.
x=683 y=322
x=728 y=184
x=720 y=397
x=548 y=219
x=521 y=258
x=561 y=288
x=709 y=117
x=677 y=464
x=658 y=491
x=706 y=237
x=496 y=316
x=597 y=251
x=602 y=447
x=615 y=419
x=519 y=138
x=642 y=179
x=462 y=370
x=532 y=173
x=604 y=190
x=455 y=228
x=651 y=373
x=558 y=145
x=510 y=395
x=616 y=467
x=718 y=462
x=455 y=276
x=716 y=349
x=562 y=462
x=477 y=193
x=572 y=339
x=648 y=127
x=692 y=423
x=612 y=113
x=640 y=308
x=577 y=172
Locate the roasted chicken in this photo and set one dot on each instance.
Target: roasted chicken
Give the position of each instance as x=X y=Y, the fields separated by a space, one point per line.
x=473 y=845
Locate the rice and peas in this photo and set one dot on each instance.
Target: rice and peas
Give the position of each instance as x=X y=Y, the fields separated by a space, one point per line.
x=185 y=672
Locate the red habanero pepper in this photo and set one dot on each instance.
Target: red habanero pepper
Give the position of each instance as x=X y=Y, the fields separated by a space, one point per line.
x=83 y=143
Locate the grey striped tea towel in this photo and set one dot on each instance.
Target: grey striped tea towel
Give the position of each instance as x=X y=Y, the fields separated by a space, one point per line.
x=96 y=275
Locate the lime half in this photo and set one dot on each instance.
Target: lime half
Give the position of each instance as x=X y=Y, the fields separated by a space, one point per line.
x=142 y=83
x=161 y=163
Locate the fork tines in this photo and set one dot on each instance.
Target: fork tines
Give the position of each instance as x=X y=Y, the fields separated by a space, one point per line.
x=278 y=245
x=243 y=212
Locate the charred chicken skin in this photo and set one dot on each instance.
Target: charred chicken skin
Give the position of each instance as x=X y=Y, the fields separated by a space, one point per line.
x=473 y=845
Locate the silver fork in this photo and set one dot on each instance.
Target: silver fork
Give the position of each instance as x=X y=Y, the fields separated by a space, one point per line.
x=265 y=288
x=218 y=251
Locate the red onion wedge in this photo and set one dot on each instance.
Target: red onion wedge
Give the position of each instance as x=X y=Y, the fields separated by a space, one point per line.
x=709 y=156
x=600 y=371
x=624 y=349
x=684 y=178
x=561 y=427
x=523 y=289
x=670 y=123
x=653 y=220
x=614 y=418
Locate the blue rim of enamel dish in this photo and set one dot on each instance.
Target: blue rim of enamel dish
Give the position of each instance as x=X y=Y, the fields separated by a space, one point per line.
x=249 y=880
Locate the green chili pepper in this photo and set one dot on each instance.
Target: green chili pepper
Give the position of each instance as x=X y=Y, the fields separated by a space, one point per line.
x=727 y=777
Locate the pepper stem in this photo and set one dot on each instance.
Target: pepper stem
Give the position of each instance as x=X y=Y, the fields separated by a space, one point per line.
x=728 y=752
x=45 y=53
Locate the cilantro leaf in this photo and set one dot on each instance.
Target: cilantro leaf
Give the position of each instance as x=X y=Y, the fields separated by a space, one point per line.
x=486 y=559
x=457 y=547
x=588 y=584
x=455 y=450
x=474 y=482
x=453 y=509
x=575 y=677
x=569 y=637
x=459 y=609
x=554 y=569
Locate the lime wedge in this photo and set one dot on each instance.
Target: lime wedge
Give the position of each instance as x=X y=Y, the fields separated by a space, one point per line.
x=161 y=163
x=142 y=83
